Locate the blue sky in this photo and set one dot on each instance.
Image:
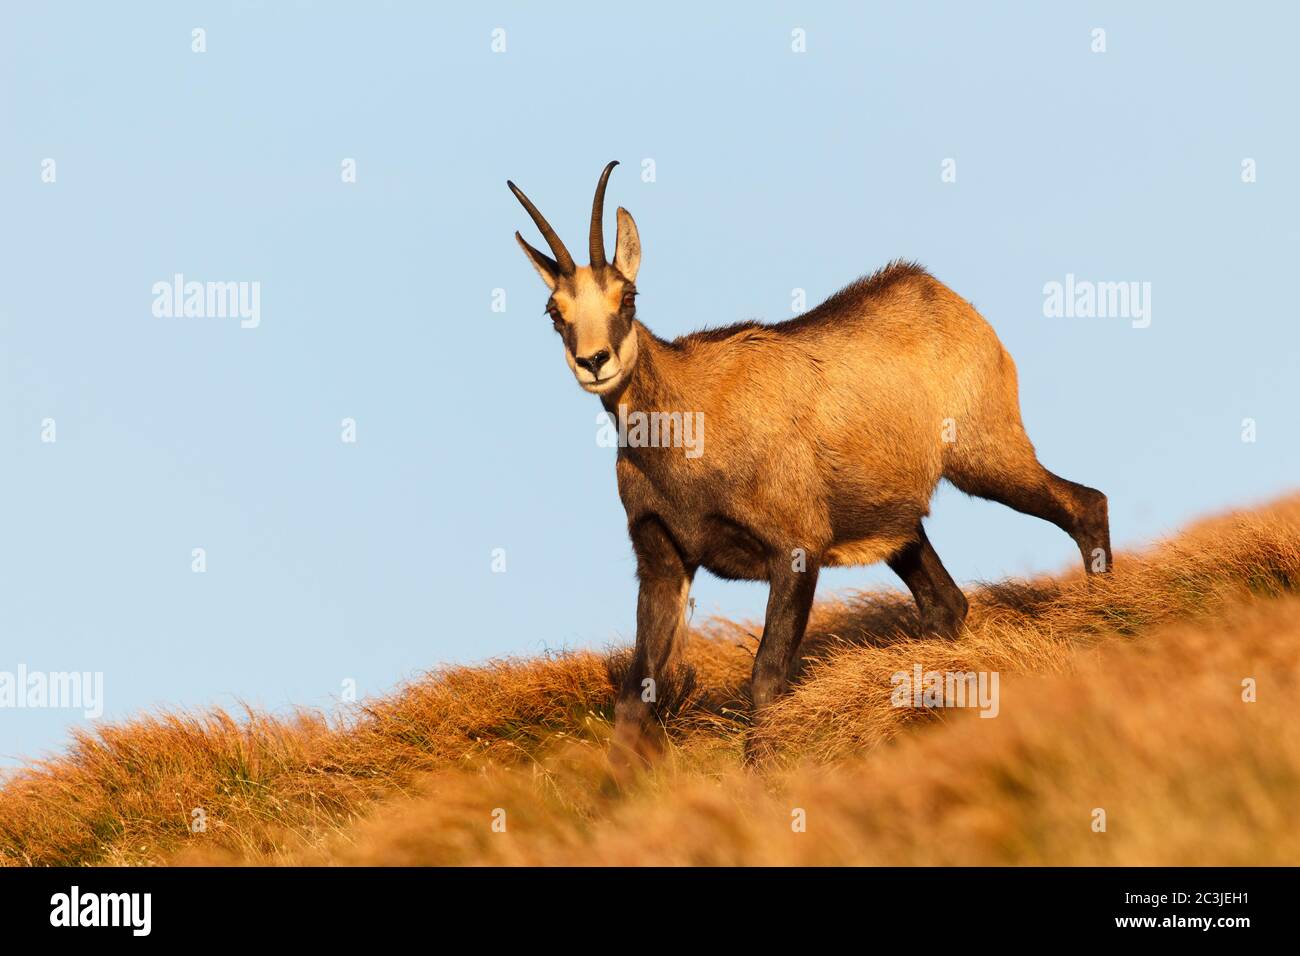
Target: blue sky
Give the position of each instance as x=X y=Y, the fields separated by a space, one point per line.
x=773 y=170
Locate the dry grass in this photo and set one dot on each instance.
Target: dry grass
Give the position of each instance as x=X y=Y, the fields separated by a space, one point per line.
x=1123 y=694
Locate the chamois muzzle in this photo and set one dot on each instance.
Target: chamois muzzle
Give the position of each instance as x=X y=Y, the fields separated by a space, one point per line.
x=593 y=363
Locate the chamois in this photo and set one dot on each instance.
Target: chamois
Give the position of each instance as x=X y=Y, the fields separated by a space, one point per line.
x=825 y=438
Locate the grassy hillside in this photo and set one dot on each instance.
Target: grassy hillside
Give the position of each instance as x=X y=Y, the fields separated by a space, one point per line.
x=1123 y=695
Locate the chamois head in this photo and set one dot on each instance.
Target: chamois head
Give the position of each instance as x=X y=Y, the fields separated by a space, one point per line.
x=592 y=307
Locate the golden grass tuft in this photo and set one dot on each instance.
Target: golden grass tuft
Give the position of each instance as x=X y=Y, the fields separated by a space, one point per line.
x=1122 y=694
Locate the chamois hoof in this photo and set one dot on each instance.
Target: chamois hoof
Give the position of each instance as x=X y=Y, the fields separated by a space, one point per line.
x=760 y=752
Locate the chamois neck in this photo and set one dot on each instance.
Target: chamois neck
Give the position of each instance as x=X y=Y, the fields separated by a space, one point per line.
x=654 y=383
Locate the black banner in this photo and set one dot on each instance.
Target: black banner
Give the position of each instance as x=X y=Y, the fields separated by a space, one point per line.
x=954 y=906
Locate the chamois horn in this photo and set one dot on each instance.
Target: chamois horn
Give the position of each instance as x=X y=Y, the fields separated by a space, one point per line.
x=597 y=238
x=562 y=257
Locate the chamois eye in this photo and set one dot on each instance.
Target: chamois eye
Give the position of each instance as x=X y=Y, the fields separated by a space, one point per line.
x=554 y=313
x=629 y=299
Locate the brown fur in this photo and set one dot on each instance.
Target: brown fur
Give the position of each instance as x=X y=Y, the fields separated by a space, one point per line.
x=824 y=439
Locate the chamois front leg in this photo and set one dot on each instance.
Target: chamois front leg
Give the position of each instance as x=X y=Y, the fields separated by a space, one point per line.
x=656 y=670
x=789 y=601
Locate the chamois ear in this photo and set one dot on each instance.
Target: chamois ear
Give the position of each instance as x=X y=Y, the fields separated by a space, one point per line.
x=546 y=266
x=627 y=247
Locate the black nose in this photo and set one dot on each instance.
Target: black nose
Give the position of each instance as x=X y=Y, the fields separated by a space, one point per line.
x=592 y=363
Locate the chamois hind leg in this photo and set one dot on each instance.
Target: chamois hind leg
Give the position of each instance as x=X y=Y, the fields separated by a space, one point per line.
x=938 y=598
x=1012 y=475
